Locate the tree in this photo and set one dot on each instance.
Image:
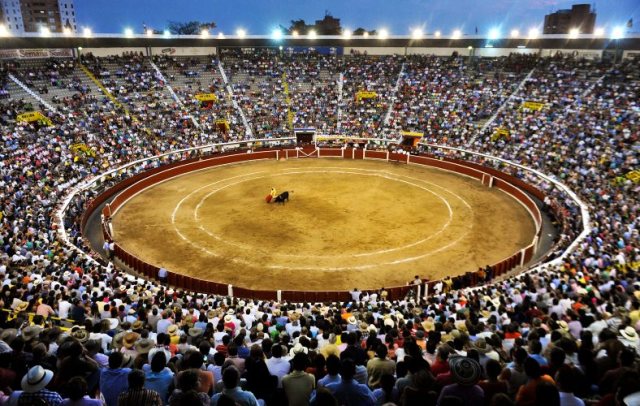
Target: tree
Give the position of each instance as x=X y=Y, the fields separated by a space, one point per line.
x=299 y=26
x=189 y=28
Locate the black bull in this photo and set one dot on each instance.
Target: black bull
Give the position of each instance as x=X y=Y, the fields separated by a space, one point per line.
x=282 y=197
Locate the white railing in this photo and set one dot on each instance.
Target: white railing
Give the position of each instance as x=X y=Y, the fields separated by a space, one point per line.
x=92 y=183
x=245 y=122
x=173 y=94
x=32 y=93
x=393 y=97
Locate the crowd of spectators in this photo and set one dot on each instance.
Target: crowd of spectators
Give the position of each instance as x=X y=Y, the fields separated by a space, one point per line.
x=558 y=335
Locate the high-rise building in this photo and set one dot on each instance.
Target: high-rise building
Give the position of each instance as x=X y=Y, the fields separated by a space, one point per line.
x=580 y=16
x=20 y=16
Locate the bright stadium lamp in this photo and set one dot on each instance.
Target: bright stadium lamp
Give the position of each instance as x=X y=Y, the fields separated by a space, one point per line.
x=456 y=34
x=574 y=32
x=204 y=33
x=166 y=33
x=45 y=32
x=437 y=34
x=86 y=31
x=3 y=31
x=295 y=33
x=346 y=34
x=276 y=35
x=220 y=35
x=241 y=33
x=599 y=32
x=149 y=32
x=494 y=33
x=383 y=34
x=365 y=34
x=417 y=33
x=128 y=32
x=617 y=33
x=66 y=31
x=312 y=34
x=515 y=33
x=533 y=33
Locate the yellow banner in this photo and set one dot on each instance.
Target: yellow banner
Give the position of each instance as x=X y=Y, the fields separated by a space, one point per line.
x=634 y=176
x=412 y=134
x=366 y=95
x=33 y=116
x=84 y=149
x=500 y=132
x=206 y=97
x=222 y=123
x=531 y=105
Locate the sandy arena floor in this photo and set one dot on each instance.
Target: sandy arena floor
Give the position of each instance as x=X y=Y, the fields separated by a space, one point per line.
x=364 y=224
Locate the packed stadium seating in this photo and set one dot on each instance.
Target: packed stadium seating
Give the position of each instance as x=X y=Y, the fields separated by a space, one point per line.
x=570 y=328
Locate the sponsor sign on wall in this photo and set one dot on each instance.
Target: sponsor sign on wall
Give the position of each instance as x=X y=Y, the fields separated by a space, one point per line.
x=35 y=53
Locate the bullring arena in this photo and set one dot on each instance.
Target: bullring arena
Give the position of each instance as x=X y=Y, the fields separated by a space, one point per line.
x=140 y=257
x=348 y=223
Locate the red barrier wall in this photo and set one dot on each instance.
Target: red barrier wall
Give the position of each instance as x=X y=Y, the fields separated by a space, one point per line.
x=137 y=183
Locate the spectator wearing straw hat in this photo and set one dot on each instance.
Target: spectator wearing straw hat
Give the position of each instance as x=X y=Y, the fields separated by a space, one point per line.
x=466 y=373
x=33 y=386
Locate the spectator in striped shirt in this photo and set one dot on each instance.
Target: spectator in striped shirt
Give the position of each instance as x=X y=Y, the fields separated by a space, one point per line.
x=137 y=395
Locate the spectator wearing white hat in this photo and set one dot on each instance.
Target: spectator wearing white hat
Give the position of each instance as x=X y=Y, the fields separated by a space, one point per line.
x=34 y=388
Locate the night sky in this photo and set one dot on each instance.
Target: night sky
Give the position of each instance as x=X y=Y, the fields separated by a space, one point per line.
x=398 y=16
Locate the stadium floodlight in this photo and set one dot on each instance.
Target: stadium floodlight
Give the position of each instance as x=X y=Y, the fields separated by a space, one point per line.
x=220 y=35
x=204 y=33
x=574 y=32
x=617 y=33
x=312 y=34
x=383 y=34
x=533 y=33
x=295 y=33
x=66 y=31
x=241 y=32
x=365 y=34
x=276 y=34
x=417 y=33
x=456 y=34
x=86 y=31
x=515 y=33
x=438 y=34
x=4 y=32
x=149 y=32
x=45 y=32
x=346 y=34
x=128 y=32
x=599 y=32
x=494 y=33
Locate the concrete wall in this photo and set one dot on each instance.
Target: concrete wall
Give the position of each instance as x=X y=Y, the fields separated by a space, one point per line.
x=376 y=50
x=497 y=52
x=112 y=51
x=183 y=51
x=584 y=53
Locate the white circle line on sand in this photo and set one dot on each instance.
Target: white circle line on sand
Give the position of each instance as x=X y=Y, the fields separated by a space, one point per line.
x=236 y=260
x=374 y=173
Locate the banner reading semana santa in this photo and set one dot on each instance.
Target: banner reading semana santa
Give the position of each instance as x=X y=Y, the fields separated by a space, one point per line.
x=32 y=116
